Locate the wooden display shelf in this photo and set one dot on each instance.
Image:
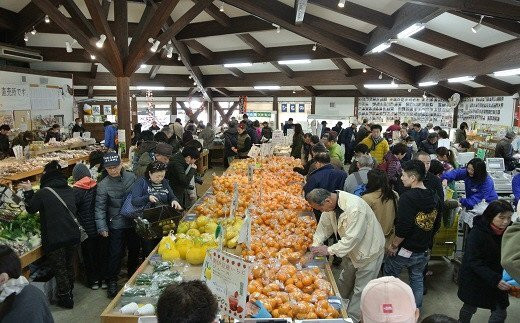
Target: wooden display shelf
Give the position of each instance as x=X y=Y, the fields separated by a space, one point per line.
x=38 y=171
x=203 y=162
x=28 y=258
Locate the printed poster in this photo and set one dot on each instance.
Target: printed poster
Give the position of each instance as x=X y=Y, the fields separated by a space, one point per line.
x=301 y=107
x=284 y=107
x=292 y=107
x=226 y=276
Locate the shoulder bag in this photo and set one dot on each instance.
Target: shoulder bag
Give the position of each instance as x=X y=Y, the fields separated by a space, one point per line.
x=83 y=234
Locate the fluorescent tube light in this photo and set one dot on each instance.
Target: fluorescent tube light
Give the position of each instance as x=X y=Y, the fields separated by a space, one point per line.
x=68 y=47
x=381 y=86
x=267 y=87
x=381 y=47
x=429 y=83
x=461 y=79
x=238 y=64
x=295 y=62
x=415 y=28
x=151 y=88
x=514 y=71
x=341 y=3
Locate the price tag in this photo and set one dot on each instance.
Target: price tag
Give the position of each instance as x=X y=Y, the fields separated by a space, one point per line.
x=234 y=202
x=254 y=151
x=245 y=231
x=278 y=138
x=250 y=171
x=76 y=135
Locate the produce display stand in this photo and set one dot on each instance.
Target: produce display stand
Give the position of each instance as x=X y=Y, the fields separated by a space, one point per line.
x=74 y=145
x=28 y=258
x=203 y=162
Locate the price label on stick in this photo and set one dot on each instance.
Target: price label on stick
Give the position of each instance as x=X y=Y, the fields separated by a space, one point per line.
x=234 y=202
x=245 y=231
x=254 y=151
x=250 y=171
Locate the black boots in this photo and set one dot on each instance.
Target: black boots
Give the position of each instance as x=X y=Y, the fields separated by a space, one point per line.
x=112 y=289
x=65 y=300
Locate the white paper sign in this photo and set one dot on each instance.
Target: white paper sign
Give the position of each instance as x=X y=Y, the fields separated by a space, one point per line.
x=444 y=143
x=234 y=202
x=226 y=276
x=86 y=135
x=76 y=135
x=245 y=231
x=254 y=151
x=278 y=138
x=266 y=150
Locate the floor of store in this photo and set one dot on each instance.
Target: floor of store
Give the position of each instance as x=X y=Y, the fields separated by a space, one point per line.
x=441 y=296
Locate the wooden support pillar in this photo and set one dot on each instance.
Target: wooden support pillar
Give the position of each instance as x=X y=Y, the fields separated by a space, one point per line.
x=276 y=116
x=133 y=110
x=173 y=107
x=313 y=105
x=123 y=109
x=211 y=112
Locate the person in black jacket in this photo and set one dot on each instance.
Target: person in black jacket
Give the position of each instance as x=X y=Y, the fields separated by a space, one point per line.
x=418 y=219
x=95 y=248
x=5 y=150
x=480 y=275
x=180 y=173
x=230 y=140
x=60 y=233
x=53 y=132
x=78 y=127
x=430 y=144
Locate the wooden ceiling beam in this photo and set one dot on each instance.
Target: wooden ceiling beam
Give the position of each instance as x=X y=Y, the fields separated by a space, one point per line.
x=338 y=30
x=404 y=17
x=139 y=48
x=138 y=93
x=8 y=19
x=417 y=56
x=93 y=70
x=253 y=43
x=136 y=30
x=100 y=22
x=74 y=31
x=196 y=46
x=454 y=45
x=29 y=17
x=282 y=14
x=222 y=91
x=236 y=72
x=121 y=27
x=237 y=25
x=358 y=12
x=299 y=7
x=499 y=9
x=77 y=16
x=284 y=69
x=215 y=13
x=458 y=87
x=506 y=26
x=309 y=89
x=342 y=65
x=153 y=71
x=494 y=83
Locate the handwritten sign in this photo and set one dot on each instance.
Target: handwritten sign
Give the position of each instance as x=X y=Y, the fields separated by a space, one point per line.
x=226 y=276
x=234 y=202
x=244 y=235
x=278 y=138
x=254 y=151
x=266 y=150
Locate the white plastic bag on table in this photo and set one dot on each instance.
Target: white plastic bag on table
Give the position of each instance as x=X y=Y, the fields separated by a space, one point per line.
x=467 y=216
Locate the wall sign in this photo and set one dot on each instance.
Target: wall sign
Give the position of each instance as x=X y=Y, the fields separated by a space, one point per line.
x=301 y=107
x=253 y=114
x=492 y=110
x=284 y=107
x=292 y=107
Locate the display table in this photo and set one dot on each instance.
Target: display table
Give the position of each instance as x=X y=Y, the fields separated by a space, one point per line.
x=203 y=162
x=28 y=258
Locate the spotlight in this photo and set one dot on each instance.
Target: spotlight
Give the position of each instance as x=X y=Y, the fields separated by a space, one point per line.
x=409 y=90
x=221 y=6
x=101 y=41
x=33 y=31
x=47 y=19
x=68 y=47
x=364 y=70
x=155 y=46
x=314 y=47
x=189 y=76
x=92 y=57
x=341 y=3
x=393 y=81
x=169 y=53
x=424 y=95
x=26 y=37
x=179 y=58
x=277 y=28
x=381 y=76
x=194 y=83
x=293 y=91
x=144 y=66
x=476 y=28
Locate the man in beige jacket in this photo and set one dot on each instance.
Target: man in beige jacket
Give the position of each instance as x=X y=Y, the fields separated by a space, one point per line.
x=360 y=241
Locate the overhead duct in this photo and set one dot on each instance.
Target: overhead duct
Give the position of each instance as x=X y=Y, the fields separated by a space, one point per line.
x=18 y=54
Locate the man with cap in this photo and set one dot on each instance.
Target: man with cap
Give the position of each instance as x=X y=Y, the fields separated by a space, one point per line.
x=110 y=195
x=360 y=243
x=162 y=153
x=95 y=248
x=388 y=299
x=504 y=149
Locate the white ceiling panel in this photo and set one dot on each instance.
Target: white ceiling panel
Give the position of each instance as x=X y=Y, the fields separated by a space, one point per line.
x=406 y=60
x=50 y=40
x=426 y=48
x=472 y=84
x=242 y=88
x=173 y=70
x=460 y=28
x=315 y=65
x=58 y=66
x=385 y=6
x=223 y=43
x=513 y=79
x=339 y=18
x=260 y=68
x=354 y=64
x=270 y=38
x=14 y=5
x=335 y=87
x=213 y=69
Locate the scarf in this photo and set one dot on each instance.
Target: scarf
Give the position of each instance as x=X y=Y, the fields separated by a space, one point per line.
x=12 y=286
x=496 y=230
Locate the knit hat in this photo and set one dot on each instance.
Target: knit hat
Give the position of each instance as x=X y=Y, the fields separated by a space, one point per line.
x=52 y=172
x=164 y=149
x=388 y=299
x=80 y=171
x=111 y=159
x=242 y=125
x=510 y=135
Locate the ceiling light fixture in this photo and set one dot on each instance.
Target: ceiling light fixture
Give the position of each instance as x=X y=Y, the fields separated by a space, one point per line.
x=424 y=95
x=155 y=44
x=294 y=91
x=221 y=6
x=409 y=90
x=194 y=83
x=68 y=47
x=476 y=28
x=101 y=41
x=179 y=58
x=277 y=28
x=33 y=31
x=244 y=64
x=169 y=52
x=380 y=86
x=514 y=71
x=461 y=79
x=189 y=76
x=341 y=3
x=295 y=62
x=267 y=87
x=314 y=47
x=413 y=29
x=47 y=19
x=364 y=70
x=92 y=57
x=144 y=66
x=393 y=81
x=26 y=37
x=381 y=47
x=429 y=83
x=151 y=88
x=380 y=76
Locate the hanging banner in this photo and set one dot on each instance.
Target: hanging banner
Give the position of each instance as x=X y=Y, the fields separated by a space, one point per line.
x=301 y=107
x=292 y=107
x=226 y=276
x=242 y=104
x=284 y=107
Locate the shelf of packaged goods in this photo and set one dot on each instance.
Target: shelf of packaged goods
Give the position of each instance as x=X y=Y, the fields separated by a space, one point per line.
x=37 y=171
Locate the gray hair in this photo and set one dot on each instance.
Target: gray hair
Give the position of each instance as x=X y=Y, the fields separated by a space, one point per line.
x=167 y=130
x=365 y=161
x=317 y=196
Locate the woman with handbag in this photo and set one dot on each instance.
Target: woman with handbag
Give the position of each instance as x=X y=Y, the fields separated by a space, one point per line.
x=60 y=231
x=150 y=191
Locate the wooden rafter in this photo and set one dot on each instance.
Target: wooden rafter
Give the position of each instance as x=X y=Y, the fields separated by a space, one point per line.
x=494 y=83
x=29 y=17
x=417 y=56
x=77 y=16
x=500 y=9
x=310 y=90
x=121 y=27
x=196 y=46
x=253 y=43
x=358 y=12
x=7 y=19
x=153 y=71
x=353 y=36
x=458 y=87
x=93 y=73
x=449 y=43
x=284 y=69
x=222 y=91
x=136 y=30
x=342 y=65
x=215 y=13
x=236 y=72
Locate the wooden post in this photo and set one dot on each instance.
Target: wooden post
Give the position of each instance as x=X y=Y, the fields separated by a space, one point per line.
x=173 y=107
x=277 y=116
x=211 y=112
x=123 y=108
x=313 y=105
x=133 y=109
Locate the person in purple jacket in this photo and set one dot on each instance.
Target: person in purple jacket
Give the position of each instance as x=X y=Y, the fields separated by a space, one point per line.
x=478 y=184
